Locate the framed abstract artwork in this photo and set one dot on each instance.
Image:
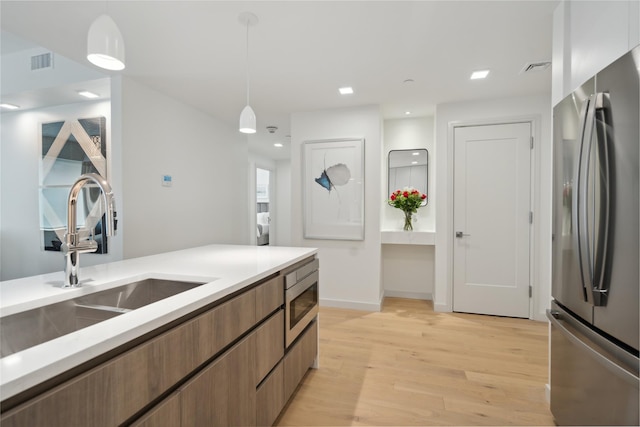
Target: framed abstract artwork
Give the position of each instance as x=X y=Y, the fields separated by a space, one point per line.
x=333 y=189
x=69 y=149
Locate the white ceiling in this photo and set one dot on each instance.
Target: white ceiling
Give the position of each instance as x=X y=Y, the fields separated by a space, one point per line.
x=302 y=51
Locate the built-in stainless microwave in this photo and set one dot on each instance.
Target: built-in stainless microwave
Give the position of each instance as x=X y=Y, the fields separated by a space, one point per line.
x=301 y=299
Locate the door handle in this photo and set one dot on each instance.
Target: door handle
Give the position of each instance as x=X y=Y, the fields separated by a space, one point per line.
x=593 y=200
x=578 y=211
x=602 y=201
x=460 y=235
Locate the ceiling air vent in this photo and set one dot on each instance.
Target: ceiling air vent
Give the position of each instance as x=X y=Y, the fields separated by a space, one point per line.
x=41 y=62
x=535 y=66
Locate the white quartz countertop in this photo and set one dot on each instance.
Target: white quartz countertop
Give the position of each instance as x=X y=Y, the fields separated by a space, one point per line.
x=224 y=268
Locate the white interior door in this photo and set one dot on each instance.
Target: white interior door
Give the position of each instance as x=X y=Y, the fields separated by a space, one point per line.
x=492 y=175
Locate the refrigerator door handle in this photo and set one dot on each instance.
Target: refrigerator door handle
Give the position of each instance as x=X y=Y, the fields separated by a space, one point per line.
x=593 y=200
x=601 y=197
x=578 y=209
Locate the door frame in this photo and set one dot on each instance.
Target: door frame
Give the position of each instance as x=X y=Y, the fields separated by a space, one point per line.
x=534 y=202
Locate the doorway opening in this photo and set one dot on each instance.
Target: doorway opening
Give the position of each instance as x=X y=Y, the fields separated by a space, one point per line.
x=263 y=211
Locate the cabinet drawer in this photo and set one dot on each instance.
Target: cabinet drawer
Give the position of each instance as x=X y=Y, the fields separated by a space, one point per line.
x=270 y=345
x=270 y=397
x=165 y=414
x=224 y=324
x=223 y=394
x=112 y=392
x=299 y=359
x=269 y=296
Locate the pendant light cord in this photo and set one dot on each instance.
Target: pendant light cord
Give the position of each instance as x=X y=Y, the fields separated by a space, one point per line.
x=247 y=59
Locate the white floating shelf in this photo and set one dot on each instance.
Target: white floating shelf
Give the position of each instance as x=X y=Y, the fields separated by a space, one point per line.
x=400 y=237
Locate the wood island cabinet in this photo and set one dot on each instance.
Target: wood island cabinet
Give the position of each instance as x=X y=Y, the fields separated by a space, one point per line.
x=225 y=366
x=165 y=414
x=269 y=297
x=112 y=392
x=299 y=359
x=270 y=345
x=224 y=393
x=270 y=397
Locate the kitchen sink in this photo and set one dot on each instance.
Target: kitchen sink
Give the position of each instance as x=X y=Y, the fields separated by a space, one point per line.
x=137 y=294
x=32 y=327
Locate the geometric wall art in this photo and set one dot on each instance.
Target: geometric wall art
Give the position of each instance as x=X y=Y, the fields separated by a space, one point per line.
x=333 y=189
x=71 y=148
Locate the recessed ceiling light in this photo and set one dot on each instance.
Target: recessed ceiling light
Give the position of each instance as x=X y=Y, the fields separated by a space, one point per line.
x=480 y=74
x=347 y=90
x=414 y=163
x=278 y=145
x=407 y=113
x=9 y=106
x=88 y=94
x=416 y=153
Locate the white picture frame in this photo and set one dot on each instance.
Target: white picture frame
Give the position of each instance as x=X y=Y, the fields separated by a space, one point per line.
x=333 y=189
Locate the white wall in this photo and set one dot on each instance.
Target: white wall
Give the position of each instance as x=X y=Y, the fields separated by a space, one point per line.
x=207 y=159
x=561 y=63
x=150 y=135
x=349 y=270
x=21 y=240
x=592 y=50
x=17 y=76
x=282 y=236
x=2 y=191
x=588 y=36
x=497 y=110
x=408 y=270
x=403 y=134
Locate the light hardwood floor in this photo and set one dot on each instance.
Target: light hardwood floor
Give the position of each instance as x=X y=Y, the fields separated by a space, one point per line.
x=408 y=365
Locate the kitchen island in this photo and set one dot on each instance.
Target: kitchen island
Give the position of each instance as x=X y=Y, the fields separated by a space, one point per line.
x=236 y=279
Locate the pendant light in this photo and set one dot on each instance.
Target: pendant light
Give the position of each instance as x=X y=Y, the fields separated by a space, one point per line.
x=105 y=45
x=247 y=116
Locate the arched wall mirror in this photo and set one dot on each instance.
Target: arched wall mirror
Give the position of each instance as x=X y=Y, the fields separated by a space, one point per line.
x=409 y=168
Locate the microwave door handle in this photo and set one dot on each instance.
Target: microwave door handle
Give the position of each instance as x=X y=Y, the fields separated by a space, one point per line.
x=578 y=201
x=602 y=198
x=297 y=289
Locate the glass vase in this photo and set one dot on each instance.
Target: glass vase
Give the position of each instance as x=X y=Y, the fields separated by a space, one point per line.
x=408 y=226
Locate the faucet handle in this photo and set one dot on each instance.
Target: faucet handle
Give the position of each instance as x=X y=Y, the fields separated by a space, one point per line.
x=111 y=214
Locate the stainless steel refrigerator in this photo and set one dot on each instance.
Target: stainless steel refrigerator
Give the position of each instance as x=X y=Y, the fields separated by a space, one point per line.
x=596 y=260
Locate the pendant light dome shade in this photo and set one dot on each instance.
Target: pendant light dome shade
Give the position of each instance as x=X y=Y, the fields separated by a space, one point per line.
x=248 y=120
x=105 y=45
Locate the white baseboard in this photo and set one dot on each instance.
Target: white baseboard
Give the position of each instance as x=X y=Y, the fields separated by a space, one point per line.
x=442 y=308
x=547 y=392
x=409 y=295
x=540 y=317
x=352 y=305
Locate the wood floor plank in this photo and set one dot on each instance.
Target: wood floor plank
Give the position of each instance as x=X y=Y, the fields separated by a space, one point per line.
x=408 y=365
